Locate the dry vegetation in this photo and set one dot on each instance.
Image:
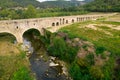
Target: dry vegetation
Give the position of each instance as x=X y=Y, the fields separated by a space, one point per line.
x=13 y=64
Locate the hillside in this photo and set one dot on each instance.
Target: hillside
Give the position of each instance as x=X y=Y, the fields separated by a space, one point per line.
x=60 y=4
x=103 y=6
x=88 y=0
x=46 y=4
x=14 y=3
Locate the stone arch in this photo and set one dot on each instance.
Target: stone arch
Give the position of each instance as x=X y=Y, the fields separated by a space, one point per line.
x=32 y=32
x=53 y=24
x=15 y=38
x=57 y=23
x=30 y=29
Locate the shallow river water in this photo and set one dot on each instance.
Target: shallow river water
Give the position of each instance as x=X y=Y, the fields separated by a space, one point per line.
x=43 y=66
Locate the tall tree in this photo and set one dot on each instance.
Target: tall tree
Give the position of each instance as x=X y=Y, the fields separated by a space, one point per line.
x=30 y=12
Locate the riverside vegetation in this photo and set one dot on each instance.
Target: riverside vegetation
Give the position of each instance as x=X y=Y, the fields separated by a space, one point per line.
x=90 y=49
x=13 y=62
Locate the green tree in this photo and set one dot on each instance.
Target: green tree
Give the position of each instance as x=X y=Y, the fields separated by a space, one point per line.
x=58 y=48
x=30 y=12
x=4 y=13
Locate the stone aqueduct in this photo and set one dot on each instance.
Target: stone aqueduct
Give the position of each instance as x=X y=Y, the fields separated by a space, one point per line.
x=18 y=27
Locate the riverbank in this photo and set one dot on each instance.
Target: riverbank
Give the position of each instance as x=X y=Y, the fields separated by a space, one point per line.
x=13 y=63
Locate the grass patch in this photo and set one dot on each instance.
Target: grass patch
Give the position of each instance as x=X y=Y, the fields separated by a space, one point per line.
x=22 y=74
x=111 y=22
x=99 y=38
x=13 y=62
x=14 y=68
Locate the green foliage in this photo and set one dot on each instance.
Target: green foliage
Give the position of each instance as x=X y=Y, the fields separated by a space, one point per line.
x=90 y=59
x=100 y=50
x=111 y=22
x=79 y=73
x=75 y=71
x=117 y=74
x=82 y=62
x=1 y=70
x=102 y=43
x=14 y=68
x=22 y=74
x=70 y=54
x=60 y=49
x=4 y=13
x=46 y=38
x=96 y=72
x=87 y=61
x=11 y=14
x=22 y=54
x=105 y=6
x=30 y=12
x=108 y=69
x=17 y=3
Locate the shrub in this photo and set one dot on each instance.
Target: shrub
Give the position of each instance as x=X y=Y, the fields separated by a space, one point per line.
x=108 y=69
x=82 y=62
x=96 y=72
x=100 y=49
x=70 y=54
x=75 y=71
x=90 y=59
x=79 y=73
x=60 y=49
x=22 y=74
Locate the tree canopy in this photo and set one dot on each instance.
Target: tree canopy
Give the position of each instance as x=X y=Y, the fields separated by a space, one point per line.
x=103 y=6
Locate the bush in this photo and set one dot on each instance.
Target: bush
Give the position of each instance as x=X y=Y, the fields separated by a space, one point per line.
x=70 y=54
x=96 y=72
x=22 y=74
x=79 y=73
x=108 y=69
x=60 y=49
x=75 y=71
x=100 y=49
x=90 y=59
x=82 y=62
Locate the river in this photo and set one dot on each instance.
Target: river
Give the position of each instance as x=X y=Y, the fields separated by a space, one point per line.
x=44 y=67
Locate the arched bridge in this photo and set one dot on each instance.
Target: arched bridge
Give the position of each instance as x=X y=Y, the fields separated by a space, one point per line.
x=18 y=27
